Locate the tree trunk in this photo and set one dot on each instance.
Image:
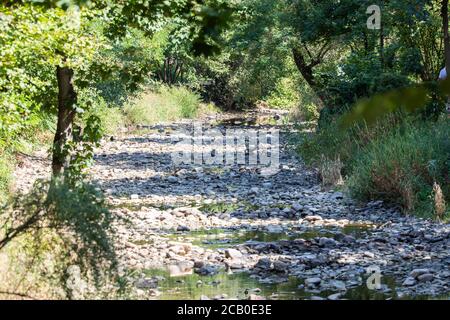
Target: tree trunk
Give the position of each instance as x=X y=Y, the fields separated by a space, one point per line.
x=382 y=40
x=303 y=67
x=444 y=13
x=382 y=46
x=306 y=71
x=67 y=99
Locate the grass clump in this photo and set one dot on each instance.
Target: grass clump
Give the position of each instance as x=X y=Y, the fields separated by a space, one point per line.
x=5 y=177
x=164 y=104
x=403 y=167
x=400 y=160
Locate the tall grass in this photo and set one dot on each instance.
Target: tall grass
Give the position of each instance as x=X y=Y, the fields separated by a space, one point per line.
x=398 y=160
x=403 y=166
x=5 y=177
x=164 y=104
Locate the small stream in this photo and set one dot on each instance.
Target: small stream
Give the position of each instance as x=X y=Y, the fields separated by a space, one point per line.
x=240 y=285
x=223 y=238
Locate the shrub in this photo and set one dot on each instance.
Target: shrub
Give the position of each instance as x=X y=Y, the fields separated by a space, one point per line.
x=285 y=95
x=357 y=77
x=306 y=112
x=111 y=117
x=55 y=230
x=5 y=177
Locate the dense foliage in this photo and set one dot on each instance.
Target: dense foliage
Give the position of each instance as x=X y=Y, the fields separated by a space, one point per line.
x=80 y=69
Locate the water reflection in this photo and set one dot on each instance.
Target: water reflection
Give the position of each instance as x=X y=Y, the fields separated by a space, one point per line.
x=241 y=285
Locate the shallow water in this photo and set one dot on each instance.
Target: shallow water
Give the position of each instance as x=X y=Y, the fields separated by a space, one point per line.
x=240 y=285
x=223 y=238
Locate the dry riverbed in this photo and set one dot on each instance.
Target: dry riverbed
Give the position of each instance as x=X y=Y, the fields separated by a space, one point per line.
x=215 y=232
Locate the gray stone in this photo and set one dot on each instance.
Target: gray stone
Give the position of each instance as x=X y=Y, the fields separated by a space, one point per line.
x=206 y=270
x=410 y=281
x=274 y=229
x=183 y=229
x=280 y=266
x=327 y=242
x=233 y=254
x=335 y=296
x=198 y=264
x=297 y=206
x=348 y=239
x=172 y=179
x=312 y=282
x=369 y=254
x=425 y=277
x=263 y=263
x=417 y=272
x=146 y=283
x=338 y=285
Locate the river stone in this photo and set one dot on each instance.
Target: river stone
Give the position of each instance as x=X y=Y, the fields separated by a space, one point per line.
x=267 y=185
x=146 y=283
x=172 y=179
x=263 y=263
x=181 y=269
x=338 y=285
x=335 y=296
x=206 y=270
x=417 y=272
x=280 y=266
x=327 y=242
x=254 y=190
x=425 y=277
x=274 y=229
x=297 y=206
x=410 y=281
x=154 y=292
x=233 y=254
x=313 y=282
x=183 y=229
x=313 y=218
x=198 y=264
x=348 y=239
x=235 y=264
x=180 y=249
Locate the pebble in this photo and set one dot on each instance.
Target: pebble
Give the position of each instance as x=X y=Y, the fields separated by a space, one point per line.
x=312 y=282
x=410 y=281
x=172 y=179
x=233 y=254
x=425 y=277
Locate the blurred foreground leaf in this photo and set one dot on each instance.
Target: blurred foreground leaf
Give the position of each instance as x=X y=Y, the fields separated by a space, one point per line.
x=409 y=99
